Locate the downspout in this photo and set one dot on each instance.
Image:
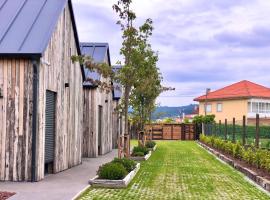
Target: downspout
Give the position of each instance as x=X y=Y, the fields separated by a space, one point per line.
x=34 y=120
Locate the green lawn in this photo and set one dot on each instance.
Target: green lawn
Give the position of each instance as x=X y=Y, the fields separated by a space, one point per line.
x=182 y=170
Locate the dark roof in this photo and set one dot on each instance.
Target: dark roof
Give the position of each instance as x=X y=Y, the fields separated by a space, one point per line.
x=117 y=91
x=26 y=26
x=98 y=52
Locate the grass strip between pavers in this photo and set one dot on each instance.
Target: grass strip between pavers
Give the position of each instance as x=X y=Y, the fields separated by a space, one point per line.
x=182 y=170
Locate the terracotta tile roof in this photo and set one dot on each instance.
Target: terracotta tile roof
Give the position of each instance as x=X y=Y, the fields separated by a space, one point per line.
x=242 y=89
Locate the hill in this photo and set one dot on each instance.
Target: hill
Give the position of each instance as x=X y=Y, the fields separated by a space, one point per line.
x=165 y=111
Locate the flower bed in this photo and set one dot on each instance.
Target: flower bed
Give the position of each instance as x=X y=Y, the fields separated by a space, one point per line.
x=115 y=174
x=141 y=158
x=151 y=145
x=122 y=183
x=255 y=157
x=140 y=153
x=250 y=161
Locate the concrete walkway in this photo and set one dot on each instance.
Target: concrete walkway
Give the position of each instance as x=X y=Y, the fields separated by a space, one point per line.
x=62 y=186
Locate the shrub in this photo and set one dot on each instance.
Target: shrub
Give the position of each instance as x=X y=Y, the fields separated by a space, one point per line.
x=128 y=164
x=256 y=157
x=112 y=171
x=238 y=151
x=150 y=144
x=138 y=154
x=140 y=149
x=248 y=155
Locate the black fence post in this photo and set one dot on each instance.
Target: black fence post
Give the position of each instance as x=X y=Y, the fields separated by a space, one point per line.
x=226 y=130
x=233 y=131
x=244 y=131
x=257 y=139
x=219 y=124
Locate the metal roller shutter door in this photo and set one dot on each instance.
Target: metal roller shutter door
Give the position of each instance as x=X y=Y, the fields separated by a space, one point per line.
x=50 y=127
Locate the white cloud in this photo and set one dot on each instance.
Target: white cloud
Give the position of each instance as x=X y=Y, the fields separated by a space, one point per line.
x=202 y=43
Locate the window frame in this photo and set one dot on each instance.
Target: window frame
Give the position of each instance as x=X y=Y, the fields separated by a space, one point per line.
x=221 y=104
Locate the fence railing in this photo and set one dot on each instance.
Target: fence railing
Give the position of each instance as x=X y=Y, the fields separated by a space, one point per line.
x=238 y=131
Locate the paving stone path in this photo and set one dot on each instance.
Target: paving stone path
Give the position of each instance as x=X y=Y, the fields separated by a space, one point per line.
x=182 y=170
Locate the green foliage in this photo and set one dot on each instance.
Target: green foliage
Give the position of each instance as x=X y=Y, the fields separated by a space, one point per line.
x=112 y=171
x=256 y=157
x=138 y=154
x=204 y=119
x=186 y=120
x=168 y=120
x=150 y=144
x=142 y=149
x=128 y=164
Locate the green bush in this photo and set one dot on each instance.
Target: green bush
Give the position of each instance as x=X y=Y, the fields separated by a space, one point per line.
x=256 y=157
x=140 y=149
x=150 y=144
x=128 y=164
x=138 y=154
x=112 y=171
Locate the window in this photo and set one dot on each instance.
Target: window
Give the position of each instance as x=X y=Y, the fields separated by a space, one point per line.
x=219 y=107
x=208 y=108
x=259 y=107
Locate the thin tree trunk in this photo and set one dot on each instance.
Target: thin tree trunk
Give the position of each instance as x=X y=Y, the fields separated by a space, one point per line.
x=126 y=103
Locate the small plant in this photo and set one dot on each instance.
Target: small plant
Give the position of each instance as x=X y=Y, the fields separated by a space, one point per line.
x=128 y=164
x=142 y=149
x=150 y=144
x=112 y=171
x=138 y=154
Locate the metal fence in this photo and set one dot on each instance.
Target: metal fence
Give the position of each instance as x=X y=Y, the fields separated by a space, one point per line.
x=238 y=131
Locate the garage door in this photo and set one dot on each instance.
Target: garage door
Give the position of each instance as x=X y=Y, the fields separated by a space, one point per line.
x=50 y=127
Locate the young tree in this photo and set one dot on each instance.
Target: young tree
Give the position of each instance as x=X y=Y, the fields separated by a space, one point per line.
x=134 y=39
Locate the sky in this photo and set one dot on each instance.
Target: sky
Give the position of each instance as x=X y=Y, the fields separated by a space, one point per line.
x=201 y=43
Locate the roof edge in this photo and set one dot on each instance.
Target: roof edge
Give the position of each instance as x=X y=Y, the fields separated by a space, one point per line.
x=77 y=41
x=229 y=98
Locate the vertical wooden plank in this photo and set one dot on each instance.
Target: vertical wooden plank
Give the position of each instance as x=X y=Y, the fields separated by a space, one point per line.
x=16 y=82
x=9 y=121
x=2 y=119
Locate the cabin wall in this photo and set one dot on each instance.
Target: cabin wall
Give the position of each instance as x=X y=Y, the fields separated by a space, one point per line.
x=115 y=125
x=90 y=139
x=93 y=98
x=16 y=107
x=56 y=69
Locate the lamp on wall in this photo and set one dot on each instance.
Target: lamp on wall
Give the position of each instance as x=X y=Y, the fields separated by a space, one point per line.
x=1 y=93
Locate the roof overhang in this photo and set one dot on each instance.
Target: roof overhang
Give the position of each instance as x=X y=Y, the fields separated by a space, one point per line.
x=229 y=98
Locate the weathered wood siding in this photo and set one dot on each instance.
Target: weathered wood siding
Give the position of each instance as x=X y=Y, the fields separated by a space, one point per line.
x=16 y=82
x=16 y=107
x=53 y=75
x=116 y=124
x=93 y=98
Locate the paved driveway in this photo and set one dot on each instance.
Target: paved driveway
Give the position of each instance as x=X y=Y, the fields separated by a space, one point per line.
x=61 y=186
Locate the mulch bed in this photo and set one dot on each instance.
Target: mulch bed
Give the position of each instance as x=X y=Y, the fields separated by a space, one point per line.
x=260 y=172
x=6 y=195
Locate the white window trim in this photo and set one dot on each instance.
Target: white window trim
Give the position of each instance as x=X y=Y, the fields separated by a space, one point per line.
x=205 y=107
x=219 y=103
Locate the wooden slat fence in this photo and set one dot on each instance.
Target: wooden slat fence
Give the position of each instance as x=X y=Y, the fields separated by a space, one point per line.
x=172 y=131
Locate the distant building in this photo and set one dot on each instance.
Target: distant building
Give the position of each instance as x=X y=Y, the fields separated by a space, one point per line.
x=242 y=98
x=190 y=117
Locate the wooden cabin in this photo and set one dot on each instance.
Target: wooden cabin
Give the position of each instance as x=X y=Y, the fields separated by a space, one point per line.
x=98 y=105
x=41 y=93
